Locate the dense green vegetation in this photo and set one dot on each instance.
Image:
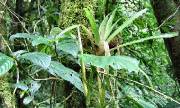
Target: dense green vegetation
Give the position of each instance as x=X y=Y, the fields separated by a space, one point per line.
x=89 y=54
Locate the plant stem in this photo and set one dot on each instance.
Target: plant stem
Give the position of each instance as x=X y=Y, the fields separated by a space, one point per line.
x=83 y=69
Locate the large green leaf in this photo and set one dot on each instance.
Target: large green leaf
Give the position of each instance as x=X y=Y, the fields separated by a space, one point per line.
x=69 y=46
x=116 y=62
x=6 y=64
x=40 y=40
x=41 y=59
x=65 y=73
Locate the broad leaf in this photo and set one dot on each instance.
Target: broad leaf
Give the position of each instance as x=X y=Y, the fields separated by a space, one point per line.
x=65 y=73
x=69 y=46
x=41 y=59
x=34 y=38
x=116 y=62
x=6 y=64
x=40 y=40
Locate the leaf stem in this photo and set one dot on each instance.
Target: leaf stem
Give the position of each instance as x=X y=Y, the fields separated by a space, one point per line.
x=167 y=35
x=83 y=68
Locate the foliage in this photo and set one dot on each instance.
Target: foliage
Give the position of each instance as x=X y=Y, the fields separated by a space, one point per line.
x=6 y=64
x=56 y=52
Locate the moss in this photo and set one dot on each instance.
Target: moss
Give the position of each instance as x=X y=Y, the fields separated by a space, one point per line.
x=6 y=95
x=72 y=12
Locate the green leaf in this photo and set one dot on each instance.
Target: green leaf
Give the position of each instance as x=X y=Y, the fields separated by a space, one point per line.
x=92 y=22
x=35 y=39
x=6 y=64
x=102 y=26
x=55 y=31
x=34 y=87
x=41 y=59
x=65 y=73
x=69 y=46
x=126 y=24
x=22 y=35
x=60 y=35
x=133 y=94
x=116 y=62
x=21 y=86
x=40 y=40
x=144 y=103
x=28 y=99
x=109 y=25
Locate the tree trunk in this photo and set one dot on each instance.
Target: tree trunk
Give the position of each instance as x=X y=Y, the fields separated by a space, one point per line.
x=72 y=13
x=164 y=9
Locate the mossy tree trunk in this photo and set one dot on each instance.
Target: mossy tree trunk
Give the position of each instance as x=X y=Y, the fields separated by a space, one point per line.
x=7 y=99
x=72 y=13
x=164 y=9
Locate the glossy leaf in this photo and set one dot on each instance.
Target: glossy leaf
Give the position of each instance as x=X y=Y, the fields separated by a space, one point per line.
x=65 y=73
x=41 y=59
x=6 y=64
x=69 y=46
x=40 y=40
x=116 y=62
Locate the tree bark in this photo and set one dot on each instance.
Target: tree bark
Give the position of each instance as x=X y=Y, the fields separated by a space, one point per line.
x=163 y=9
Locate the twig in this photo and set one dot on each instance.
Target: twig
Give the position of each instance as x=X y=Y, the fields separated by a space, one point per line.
x=83 y=68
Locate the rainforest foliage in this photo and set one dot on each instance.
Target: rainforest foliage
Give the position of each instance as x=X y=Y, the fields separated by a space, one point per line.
x=89 y=54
